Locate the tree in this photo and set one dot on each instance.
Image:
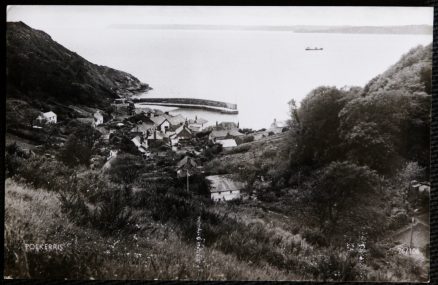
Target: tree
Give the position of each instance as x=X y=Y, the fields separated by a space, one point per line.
x=411 y=171
x=343 y=198
x=30 y=116
x=126 y=168
x=314 y=137
x=385 y=128
x=79 y=146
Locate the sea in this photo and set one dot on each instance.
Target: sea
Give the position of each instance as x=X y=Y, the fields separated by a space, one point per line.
x=260 y=71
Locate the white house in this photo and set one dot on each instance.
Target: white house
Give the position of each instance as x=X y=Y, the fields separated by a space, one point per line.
x=139 y=142
x=142 y=145
x=175 y=121
x=48 y=117
x=277 y=126
x=144 y=128
x=161 y=123
x=224 y=188
x=197 y=124
x=227 y=143
x=98 y=118
x=224 y=134
x=112 y=154
x=195 y=127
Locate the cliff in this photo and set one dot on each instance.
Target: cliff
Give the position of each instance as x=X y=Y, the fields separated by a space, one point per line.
x=40 y=69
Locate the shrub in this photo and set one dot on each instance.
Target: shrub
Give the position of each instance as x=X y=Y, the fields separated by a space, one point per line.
x=332 y=265
x=240 y=149
x=315 y=237
x=73 y=204
x=14 y=159
x=113 y=213
x=244 y=139
x=125 y=168
x=45 y=173
x=343 y=198
x=377 y=251
x=79 y=146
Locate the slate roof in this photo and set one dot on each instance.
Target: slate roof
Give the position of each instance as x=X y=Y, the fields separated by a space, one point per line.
x=49 y=114
x=182 y=128
x=198 y=121
x=227 y=142
x=175 y=120
x=222 y=183
x=136 y=141
x=224 y=133
x=143 y=127
x=187 y=161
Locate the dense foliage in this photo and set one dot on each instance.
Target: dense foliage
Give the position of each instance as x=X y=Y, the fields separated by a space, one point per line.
x=345 y=142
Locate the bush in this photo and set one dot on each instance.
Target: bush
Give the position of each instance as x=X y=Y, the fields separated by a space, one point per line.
x=125 y=168
x=332 y=265
x=113 y=213
x=377 y=251
x=79 y=146
x=343 y=197
x=14 y=158
x=315 y=237
x=73 y=204
x=45 y=173
x=240 y=149
x=244 y=139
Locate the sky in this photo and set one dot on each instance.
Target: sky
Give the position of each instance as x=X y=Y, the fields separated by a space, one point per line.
x=47 y=17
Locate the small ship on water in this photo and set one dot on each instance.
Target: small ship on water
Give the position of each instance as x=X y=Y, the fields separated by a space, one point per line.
x=315 y=48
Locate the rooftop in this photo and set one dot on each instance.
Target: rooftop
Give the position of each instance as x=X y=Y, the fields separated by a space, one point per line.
x=223 y=183
x=227 y=142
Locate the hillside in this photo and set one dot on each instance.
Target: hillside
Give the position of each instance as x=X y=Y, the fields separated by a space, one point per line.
x=38 y=68
x=412 y=73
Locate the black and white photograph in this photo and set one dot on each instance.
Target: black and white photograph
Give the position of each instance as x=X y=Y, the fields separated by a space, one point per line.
x=228 y=143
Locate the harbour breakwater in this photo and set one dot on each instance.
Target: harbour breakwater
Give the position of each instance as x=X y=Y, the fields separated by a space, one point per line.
x=211 y=105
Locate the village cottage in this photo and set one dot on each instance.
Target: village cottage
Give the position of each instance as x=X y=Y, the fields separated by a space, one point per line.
x=223 y=188
x=48 y=117
x=216 y=135
x=175 y=121
x=98 y=118
x=197 y=125
x=187 y=166
x=142 y=145
x=227 y=143
x=182 y=136
x=277 y=127
x=161 y=123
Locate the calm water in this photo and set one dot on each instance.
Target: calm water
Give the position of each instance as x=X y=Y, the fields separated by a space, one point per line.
x=259 y=70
